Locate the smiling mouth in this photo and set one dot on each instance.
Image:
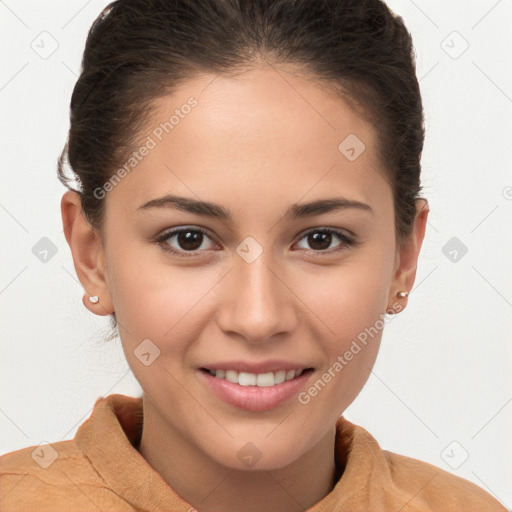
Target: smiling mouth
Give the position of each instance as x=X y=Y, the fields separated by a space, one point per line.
x=257 y=379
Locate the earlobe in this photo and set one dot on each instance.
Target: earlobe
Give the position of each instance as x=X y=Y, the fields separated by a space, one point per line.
x=88 y=254
x=407 y=258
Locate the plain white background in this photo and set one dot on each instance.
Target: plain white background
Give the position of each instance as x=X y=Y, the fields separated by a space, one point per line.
x=441 y=389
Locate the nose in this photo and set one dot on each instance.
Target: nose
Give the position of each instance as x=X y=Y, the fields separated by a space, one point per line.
x=257 y=303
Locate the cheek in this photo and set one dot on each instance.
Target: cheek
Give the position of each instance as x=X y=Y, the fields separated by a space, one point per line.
x=159 y=302
x=159 y=319
x=350 y=302
x=350 y=297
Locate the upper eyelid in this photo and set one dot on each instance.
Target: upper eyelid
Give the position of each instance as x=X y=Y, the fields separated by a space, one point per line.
x=175 y=231
x=338 y=231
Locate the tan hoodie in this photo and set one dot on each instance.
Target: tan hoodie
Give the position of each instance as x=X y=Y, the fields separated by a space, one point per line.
x=100 y=469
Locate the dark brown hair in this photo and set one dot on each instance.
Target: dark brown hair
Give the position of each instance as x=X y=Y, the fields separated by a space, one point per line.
x=139 y=50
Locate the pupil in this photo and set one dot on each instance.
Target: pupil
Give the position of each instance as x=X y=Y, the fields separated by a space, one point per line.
x=323 y=238
x=189 y=239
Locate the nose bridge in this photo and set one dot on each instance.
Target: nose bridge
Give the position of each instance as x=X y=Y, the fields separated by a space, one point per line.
x=258 y=304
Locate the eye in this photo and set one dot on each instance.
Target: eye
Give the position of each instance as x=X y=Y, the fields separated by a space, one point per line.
x=185 y=240
x=320 y=239
x=189 y=241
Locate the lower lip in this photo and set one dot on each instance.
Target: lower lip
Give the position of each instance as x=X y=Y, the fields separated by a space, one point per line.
x=254 y=398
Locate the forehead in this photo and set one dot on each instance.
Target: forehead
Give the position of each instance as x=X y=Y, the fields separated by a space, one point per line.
x=268 y=129
x=280 y=103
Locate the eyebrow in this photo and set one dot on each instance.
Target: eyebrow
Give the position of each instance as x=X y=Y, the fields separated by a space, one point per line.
x=212 y=210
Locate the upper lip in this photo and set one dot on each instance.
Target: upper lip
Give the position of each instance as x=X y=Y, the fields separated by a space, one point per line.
x=273 y=365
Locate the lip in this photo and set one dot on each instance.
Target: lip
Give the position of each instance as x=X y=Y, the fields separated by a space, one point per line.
x=254 y=398
x=271 y=365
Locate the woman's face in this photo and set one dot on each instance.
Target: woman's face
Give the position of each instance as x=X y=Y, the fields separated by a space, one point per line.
x=257 y=163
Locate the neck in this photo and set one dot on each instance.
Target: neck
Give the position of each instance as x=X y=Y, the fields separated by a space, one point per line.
x=212 y=487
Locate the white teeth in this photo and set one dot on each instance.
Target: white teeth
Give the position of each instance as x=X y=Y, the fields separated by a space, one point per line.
x=247 y=379
x=231 y=376
x=253 y=379
x=265 y=379
x=280 y=376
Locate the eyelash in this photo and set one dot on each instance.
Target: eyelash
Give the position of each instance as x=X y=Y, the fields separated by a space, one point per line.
x=346 y=240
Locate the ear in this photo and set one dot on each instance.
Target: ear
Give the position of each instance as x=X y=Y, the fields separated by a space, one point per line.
x=88 y=254
x=406 y=261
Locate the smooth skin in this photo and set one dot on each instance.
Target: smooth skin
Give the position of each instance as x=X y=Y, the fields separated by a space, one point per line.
x=255 y=144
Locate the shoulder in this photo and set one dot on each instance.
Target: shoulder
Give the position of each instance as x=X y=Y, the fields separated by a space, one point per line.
x=377 y=479
x=52 y=476
x=430 y=488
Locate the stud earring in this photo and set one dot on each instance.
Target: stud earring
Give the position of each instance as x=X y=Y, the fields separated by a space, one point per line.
x=94 y=299
x=402 y=295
